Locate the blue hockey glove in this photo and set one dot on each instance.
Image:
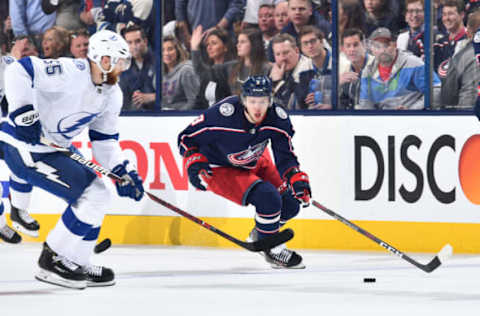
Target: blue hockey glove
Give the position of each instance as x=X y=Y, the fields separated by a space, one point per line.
x=132 y=185
x=196 y=164
x=27 y=124
x=300 y=185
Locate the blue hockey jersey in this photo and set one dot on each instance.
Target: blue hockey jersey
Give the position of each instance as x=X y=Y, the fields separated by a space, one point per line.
x=225 y=136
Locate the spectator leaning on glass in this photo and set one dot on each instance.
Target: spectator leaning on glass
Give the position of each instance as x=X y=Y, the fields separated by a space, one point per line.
x=459 y=88
x=315 y=86
x=395 y=80
x=180 y=83
x=354 y=47
x=287 y=71
x=137 y=81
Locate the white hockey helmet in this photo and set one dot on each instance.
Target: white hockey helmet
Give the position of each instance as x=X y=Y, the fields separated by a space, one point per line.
x=108 y=43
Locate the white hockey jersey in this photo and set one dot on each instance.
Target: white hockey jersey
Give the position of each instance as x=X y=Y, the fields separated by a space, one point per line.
x=67 y=100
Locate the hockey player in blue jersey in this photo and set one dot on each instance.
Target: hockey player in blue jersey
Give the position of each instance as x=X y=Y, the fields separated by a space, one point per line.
x=59 y=98
x=225 y=151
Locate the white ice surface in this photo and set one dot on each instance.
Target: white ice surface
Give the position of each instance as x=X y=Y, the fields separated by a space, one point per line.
x=204 y=281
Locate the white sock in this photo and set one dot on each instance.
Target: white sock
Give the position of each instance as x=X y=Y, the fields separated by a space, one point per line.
x=62 y=241
x=83 y=252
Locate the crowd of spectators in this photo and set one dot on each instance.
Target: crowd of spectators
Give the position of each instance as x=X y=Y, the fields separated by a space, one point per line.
x=210 y=47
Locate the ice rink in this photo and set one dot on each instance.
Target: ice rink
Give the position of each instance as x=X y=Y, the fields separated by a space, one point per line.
x=201 y=281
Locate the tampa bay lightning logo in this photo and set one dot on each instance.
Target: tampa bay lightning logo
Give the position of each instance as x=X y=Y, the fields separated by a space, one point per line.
x=248 y=158
x=73 y=124
x=80 y=64
x=8 y=59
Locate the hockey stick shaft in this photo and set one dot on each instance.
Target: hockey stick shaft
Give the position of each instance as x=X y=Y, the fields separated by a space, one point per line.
x=260 y=245
x=432 y=265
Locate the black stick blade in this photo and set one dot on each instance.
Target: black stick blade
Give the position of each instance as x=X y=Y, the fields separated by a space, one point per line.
x=271 y=241
x=102 y=246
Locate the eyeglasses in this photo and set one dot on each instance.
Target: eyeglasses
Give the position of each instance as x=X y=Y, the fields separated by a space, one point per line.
x=310 y=42
x=414 y=11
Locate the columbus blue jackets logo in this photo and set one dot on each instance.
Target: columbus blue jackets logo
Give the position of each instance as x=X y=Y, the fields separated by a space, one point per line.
x=248 y=158
x=72 y=125
x=226 y=109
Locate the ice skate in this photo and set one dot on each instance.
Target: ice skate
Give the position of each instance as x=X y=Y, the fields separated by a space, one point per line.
x=23 y=222
x=9 y=235
x=99 y=276
x=59 y=270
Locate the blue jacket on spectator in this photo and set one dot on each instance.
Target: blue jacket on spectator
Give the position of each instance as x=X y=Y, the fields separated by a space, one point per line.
x=28 y=17
x=208 y=13
x=405 y=87
x=323 y=75
x=138 y=79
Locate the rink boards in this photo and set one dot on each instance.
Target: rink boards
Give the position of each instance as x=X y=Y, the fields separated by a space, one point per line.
x=413 y=181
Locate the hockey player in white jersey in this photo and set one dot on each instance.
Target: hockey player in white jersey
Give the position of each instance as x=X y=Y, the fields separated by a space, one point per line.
x=59 y=98
x=20 y=191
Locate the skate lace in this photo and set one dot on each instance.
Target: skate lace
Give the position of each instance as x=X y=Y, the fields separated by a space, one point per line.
x=283 y=256
x=94 y=270
x=7 y=232
x=72 y=266
x=25 y=216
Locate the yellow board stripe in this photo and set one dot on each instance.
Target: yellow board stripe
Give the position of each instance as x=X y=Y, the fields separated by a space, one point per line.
x=309 y=234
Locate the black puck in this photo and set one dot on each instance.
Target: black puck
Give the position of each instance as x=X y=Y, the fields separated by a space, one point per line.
x=369 y=280
x=102 y=246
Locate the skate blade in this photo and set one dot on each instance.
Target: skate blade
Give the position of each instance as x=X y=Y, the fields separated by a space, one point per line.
x=19 y=228
x=100 y=284
x=52 y=278
x=278 y=267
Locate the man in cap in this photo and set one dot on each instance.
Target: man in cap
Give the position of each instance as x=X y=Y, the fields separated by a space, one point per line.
x=395 y=80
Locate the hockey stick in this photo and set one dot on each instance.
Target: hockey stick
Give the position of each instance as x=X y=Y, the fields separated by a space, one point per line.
x=429 y=267
x=256 y=246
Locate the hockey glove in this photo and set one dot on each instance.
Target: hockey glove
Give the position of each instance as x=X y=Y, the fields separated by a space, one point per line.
x=27 y=124
x=299 y=184
x=131 y=185
x=196 y=165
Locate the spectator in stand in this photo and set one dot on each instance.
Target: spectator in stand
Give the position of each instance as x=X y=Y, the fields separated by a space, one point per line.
x=6 y=34
x=250 y=17
x=91 y=14
x=447 y=46
x=300 y=14
x=251 y=60
x=55 y=43
x=281 y=15
x=180 y=83
x=459 y=89
x=118 y=14
x=287 y=70
x=266 y=22
x=137 y=83
x=28 y=18
x=209 y=14
x=67 y=11
x=412 y=38
x=353 y=46
x=395 y=80
x=315 y=88
x=219 y=50
x=349 y=16
x=379 y=14
x=79 y=43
